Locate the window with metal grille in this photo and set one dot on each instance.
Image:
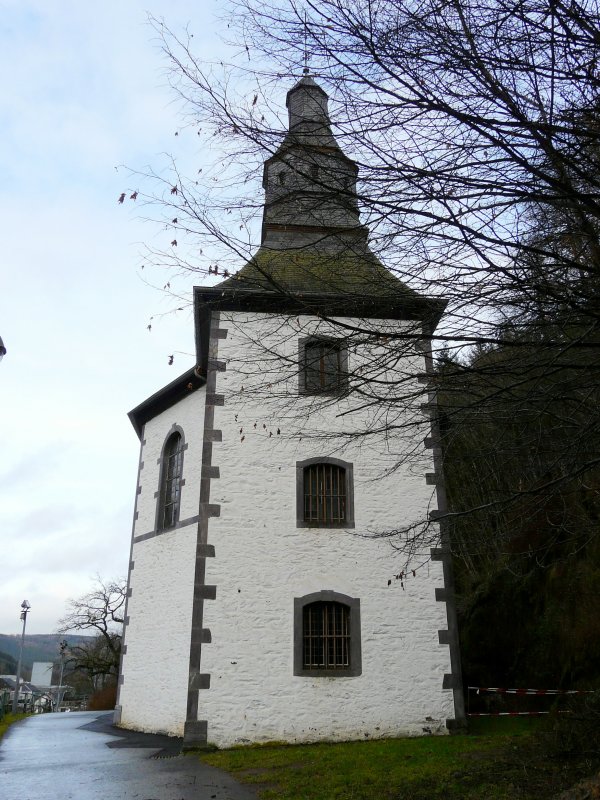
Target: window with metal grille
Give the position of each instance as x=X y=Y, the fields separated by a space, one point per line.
x=324 y=366
x=324 y=494
x=326 y=636
x=170 y=491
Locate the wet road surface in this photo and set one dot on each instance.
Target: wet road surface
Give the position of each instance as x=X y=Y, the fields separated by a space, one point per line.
x=80 y=756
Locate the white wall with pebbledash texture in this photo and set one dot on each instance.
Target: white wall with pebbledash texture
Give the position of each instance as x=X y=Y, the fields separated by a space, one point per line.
x=156 y=662
x=264 y=560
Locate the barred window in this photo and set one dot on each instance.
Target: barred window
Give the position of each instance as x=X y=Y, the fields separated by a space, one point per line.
x=324 y=494
x=326 y=636
x=324 y=366
x=170 y=490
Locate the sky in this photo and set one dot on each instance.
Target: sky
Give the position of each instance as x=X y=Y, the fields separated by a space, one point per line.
x=83 y=93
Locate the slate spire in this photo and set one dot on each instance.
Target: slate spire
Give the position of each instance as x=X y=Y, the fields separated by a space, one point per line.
x=312 y=238
x=310 y=185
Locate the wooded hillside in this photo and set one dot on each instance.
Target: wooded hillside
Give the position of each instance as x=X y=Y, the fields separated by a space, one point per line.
x=523 y=484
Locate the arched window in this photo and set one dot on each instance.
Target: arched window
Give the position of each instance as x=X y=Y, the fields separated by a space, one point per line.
x=170 y=482
x=325 y=493
x=327 y=635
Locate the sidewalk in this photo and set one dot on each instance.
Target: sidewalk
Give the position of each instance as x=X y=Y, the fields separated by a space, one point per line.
x=80 y=756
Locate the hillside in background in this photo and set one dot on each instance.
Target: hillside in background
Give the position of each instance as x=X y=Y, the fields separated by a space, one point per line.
x=8 y=665
x=37 y=647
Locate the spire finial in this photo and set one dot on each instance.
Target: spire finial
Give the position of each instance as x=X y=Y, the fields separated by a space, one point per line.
x=306 y=70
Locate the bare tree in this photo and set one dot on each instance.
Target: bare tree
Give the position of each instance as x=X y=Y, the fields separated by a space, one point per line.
x=474 y=126
x=101 y=612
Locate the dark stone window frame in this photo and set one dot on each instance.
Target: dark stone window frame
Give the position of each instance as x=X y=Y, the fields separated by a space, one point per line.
x=328 y=596
x=160 y=495
x=348 y=468
x=342 y=383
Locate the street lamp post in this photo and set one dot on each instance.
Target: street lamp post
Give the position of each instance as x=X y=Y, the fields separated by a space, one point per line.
x=63 y=648
x=24 y=611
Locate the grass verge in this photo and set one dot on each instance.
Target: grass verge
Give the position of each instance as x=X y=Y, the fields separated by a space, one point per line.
x=500 y=759
x=8 y=720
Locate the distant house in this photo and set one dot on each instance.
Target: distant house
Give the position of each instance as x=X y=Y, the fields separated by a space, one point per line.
x=26 y=690
x=255 y=611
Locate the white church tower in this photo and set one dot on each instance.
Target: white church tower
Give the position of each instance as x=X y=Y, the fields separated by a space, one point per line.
x=258 y=603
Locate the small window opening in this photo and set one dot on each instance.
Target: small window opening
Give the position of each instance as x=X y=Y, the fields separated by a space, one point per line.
x=324 y=494
x=326 y=636
x=323 y=367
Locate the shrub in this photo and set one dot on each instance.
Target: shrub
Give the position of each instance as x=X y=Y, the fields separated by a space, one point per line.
x=104 y=699
x=575 y=733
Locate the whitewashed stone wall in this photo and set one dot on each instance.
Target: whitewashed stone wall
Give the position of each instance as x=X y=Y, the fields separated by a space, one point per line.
x=263 y=560
x=155 y=665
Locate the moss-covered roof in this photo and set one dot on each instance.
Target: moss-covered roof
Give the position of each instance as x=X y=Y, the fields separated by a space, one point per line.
x=313 y=242
x=311 y=270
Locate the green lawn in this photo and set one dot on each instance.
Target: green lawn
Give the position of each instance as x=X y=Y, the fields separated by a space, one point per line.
x=499 y=759
x=8 y=720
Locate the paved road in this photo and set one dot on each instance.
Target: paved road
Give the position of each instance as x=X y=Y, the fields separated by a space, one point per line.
x=80 y=756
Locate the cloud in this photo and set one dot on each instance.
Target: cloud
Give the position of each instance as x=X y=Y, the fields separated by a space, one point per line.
x=31 y=467
x=88 y=94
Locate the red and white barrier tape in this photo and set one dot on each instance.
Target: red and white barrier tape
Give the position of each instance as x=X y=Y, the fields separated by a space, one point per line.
x=498 y=690
x=512 y=713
